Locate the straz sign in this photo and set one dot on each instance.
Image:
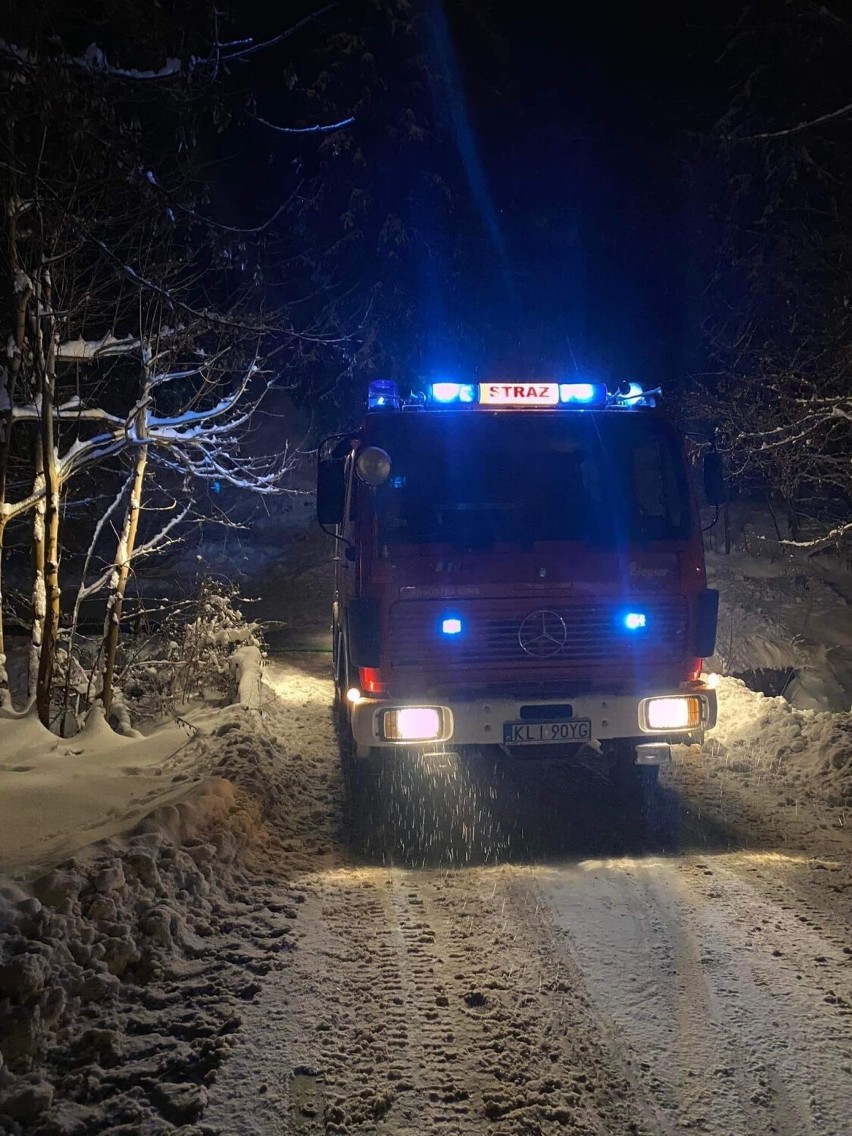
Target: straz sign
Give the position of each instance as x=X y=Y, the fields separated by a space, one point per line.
x=519 y=394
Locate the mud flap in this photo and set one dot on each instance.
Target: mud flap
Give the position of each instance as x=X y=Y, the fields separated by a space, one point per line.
x=706 y=619
x=362 y=629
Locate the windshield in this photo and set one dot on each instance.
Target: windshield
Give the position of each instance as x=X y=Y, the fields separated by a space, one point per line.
x=477 y=479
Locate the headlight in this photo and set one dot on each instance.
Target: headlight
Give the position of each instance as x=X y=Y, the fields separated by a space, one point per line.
x=413 y=724
x=673 y=713
x=373 y=466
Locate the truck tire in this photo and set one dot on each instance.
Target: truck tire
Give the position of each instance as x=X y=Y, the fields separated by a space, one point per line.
x=351 y=753
x=340 y=705
x=338 y=667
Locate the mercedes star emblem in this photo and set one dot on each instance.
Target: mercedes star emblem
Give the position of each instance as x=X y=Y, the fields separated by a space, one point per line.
x=542 y=633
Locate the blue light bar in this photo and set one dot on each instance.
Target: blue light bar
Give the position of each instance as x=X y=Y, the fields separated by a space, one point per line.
x=383 y=394
x=523 y=394
x=583 y=394
x=451 y=626
x=452 y=392
x=635 y=620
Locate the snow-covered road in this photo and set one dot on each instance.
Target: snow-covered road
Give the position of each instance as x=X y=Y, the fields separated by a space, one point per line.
x=495 y=950
x=489 y=948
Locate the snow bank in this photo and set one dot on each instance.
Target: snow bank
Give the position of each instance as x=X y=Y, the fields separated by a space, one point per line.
x=809 y=751
x=246 y=664
x=59 y=795
x=128 y=958
x=778 y=613
x=125 y=967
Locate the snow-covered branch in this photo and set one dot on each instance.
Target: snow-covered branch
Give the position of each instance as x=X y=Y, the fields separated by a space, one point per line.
x=88 y=350
x=791 y=131
x=320 y=128
x=93 y=60
x=834 y=537
x=72 y=408
x=248 y=47
x=83 y=350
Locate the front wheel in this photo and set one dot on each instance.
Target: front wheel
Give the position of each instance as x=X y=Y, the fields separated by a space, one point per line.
x=353 y=755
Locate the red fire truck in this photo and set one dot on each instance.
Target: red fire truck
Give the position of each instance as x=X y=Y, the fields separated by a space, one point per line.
x=520 y=564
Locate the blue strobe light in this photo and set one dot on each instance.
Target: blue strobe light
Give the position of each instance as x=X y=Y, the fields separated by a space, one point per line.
x=451 y=626
x=452 y=392
x=383 y=394
x=635 y=620
x=583 y=394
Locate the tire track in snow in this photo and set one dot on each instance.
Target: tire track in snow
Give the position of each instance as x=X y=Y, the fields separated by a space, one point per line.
x=446 y=1021
x=421 y=1002
x=515 y=1000
x=717 y=994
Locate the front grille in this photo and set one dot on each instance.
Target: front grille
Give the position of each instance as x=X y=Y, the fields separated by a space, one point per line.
x=593 y=632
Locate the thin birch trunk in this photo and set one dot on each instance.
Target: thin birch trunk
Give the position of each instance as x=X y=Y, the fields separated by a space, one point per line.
x=50 y=631
x=85 y=590
x=121 y=574
x=5 y=693
x=38 y=593
x=50 y=468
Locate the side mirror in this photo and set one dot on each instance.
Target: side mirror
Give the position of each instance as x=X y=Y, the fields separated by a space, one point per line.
x=331 y=490
x=714 y=478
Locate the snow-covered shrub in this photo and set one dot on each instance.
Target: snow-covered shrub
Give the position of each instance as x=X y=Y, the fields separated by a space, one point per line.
x=187 y=657
x=207 y=642
x=161 y=666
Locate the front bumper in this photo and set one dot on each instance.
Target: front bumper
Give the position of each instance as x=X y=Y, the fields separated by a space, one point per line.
x=480 y=721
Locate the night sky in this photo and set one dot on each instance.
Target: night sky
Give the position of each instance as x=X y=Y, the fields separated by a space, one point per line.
x=578 y=240
x=584 y=122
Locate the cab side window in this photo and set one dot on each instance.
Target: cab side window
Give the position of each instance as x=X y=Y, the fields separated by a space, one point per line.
x=654 y=482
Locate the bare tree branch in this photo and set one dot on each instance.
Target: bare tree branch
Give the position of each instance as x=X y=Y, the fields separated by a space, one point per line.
x=791 y=131
x=318 y=129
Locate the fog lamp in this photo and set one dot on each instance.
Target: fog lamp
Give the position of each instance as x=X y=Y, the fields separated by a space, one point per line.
x=413 y=724
x=673 y=713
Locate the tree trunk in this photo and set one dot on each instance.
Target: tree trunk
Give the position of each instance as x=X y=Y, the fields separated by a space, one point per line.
x=8 y=392
x=5 y=695
x=44 y=685
x=49 y=457
x=83 y=592
x=118 y=583
x=5 y=446
x=38 y=593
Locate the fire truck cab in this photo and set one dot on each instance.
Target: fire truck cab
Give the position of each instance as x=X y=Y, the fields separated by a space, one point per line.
x=518 y=565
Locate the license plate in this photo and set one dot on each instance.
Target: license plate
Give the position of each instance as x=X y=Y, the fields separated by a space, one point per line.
x=537 y=733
